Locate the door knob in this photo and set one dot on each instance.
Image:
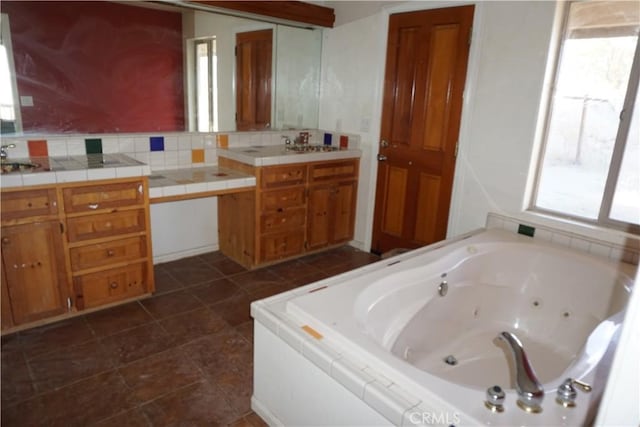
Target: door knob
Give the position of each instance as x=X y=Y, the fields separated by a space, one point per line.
x=382 y=157
x=384 y=143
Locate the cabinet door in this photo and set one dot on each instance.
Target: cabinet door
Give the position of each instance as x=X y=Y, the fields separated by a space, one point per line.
x=344 y=210
x=318 y=216
x=33 y=262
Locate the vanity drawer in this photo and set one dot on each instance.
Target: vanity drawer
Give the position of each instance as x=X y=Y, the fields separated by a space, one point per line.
x=104 y=225
x=28 y=203
x=282 y=199
x=101 y=254
x=326 y=171
x=93 y=197
x=95 y=289
x=277 y=221
x=281 y=245
x=283 y=176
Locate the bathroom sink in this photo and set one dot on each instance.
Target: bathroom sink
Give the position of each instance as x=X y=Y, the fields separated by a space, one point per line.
x=305 y=148
x=9 y=166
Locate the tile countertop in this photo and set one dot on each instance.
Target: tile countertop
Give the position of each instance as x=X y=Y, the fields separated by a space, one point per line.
x=52 y=170
x=259 y=155
x=179 y=182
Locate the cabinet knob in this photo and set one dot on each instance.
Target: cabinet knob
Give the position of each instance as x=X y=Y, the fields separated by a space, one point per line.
x=113 y=285
x=6 y=240
x=110 y=252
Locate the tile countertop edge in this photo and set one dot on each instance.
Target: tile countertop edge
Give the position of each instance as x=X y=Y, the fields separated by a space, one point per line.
x=270 y=159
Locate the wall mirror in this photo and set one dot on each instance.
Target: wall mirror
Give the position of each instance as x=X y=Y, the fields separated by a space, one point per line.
x=109 y=67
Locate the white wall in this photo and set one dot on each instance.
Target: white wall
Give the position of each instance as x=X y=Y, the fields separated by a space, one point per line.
x=504 y=83
x=185 y=228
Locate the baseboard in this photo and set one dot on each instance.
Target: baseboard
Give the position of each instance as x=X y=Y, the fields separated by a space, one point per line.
x=184 y=254
x=264 y=413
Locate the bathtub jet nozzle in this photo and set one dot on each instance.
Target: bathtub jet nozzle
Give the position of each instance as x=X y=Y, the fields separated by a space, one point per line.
x=529 y=389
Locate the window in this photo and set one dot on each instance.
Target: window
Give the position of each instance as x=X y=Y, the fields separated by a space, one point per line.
x=205 y=87
x=590 y=167
x=9 y=120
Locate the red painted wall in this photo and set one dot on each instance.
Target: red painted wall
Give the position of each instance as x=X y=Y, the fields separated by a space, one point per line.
x=97 y=66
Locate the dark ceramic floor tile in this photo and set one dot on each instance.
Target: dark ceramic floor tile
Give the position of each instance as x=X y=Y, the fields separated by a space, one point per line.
x=55 y=336
x=237 y=385
x=246 y=330
x=235 y=310
x=211 y=257
x=323 y=260
x=69 y=364
x=295 y=269
x=232 y=352
x=191 y=325
x=11 y=342
x=196 y=405
x=215 y=291
x=166 y=305
x=29 y=413
x=17 y=384
x=250 y=420
x=228 y=267
x=191 y=271
x=165 y=282
x=89 y=401
x=265 y=292
x=252 y=281
x=137 y=343
x=160 y=374
x=305 y=280
x=117 y=319
x=132 y=418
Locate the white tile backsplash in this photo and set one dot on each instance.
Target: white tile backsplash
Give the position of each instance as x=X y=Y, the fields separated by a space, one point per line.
x=76 y=147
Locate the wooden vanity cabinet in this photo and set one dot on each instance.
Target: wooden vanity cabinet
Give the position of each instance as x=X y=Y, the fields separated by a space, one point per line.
x=34 y=273
x=74 y=246
x=109 y=241
x=297 y=208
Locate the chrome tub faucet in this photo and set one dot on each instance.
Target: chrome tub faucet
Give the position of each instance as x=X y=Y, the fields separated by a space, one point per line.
x=529 y=389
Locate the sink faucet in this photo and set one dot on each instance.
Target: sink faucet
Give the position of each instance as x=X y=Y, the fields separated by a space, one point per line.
x=3 y=150
x=529 y=389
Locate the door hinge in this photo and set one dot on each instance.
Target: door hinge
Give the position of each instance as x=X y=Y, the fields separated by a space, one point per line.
x=61 y=228
x=470 y=35
x=235 y=51
x=455 y=151
x=69 y=304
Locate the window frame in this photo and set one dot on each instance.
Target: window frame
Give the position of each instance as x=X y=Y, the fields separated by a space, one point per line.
x=212 y=76
x=624 y=126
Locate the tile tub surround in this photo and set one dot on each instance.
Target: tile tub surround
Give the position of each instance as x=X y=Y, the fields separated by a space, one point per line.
x=626 y=250
x=181 y=356
x=163 y=150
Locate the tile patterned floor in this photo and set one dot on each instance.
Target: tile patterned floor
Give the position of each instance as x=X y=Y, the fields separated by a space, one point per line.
x=181 y=358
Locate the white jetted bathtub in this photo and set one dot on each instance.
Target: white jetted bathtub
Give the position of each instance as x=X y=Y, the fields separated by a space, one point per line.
x=427 y=322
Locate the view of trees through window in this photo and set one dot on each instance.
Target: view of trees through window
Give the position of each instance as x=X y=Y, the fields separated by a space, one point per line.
x=592 y=81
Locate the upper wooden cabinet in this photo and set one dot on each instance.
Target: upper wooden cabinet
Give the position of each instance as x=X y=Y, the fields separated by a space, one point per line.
x=296 y=208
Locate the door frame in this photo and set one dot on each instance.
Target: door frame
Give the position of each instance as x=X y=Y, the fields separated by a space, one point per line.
x=469 y=95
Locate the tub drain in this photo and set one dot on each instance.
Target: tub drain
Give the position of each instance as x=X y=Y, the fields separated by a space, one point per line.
x=451 y=360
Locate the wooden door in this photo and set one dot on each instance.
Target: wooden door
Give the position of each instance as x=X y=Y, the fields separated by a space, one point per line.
x=253 y=80
x=33 y=264
x=426 y=68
